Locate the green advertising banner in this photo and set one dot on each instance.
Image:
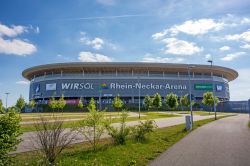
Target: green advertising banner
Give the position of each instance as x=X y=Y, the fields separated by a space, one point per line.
x=203 y=86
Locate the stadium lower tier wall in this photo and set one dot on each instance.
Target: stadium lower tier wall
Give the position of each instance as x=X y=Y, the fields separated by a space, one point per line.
x=129 y=88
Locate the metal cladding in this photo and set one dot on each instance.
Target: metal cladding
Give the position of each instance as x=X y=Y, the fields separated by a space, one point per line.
x=104 y=80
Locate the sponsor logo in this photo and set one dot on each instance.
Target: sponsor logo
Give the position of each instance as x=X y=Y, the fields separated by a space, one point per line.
x=104 y=86
x=219 y=87
x=77 y=86
x=203 y=86
x=51 y=86
x=37 y=88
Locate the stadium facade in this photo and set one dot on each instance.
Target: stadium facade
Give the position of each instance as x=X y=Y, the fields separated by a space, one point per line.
x=104 y=81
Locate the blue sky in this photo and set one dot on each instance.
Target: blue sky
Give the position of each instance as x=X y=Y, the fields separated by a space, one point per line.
x=34 y=32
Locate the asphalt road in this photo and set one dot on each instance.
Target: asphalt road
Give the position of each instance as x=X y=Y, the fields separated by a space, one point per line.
x=225 y=142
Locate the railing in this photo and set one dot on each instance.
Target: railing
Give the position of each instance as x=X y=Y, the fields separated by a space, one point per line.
x=126 y=75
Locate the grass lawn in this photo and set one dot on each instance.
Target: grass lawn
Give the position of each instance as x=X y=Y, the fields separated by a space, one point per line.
x=132 y=153
x=70 y=124
x=249 y=124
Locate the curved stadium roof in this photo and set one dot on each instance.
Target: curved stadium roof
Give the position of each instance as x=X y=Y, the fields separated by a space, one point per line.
x=78 y=67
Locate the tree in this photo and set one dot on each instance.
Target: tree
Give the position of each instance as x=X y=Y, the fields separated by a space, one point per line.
x=157 y=101
x=9 y=132
x=80 y=104
x=32 y=104
x=172 y=101
x=61 y=103
x=51 y=138
x=91 y=105
x=117 y=103
x=208 y=100
x=53 y=103
x=93 y=126
x=20 y=103
x=148 y=101
x=184 y=101
x=1 y=107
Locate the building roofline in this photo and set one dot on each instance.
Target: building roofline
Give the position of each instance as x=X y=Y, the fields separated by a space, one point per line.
x=228 y=73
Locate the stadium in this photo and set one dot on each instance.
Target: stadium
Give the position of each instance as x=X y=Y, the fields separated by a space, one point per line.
x=131 y=81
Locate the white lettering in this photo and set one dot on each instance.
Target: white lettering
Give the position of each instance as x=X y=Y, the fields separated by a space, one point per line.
x=65 y=85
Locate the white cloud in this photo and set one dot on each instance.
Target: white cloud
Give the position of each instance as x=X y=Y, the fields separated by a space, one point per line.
x=246 y=46
x=92 y=57
x=180 y=47
x=157 y=59
x=245 y=36
x=191 y=27
x=245 y=20
x=240 y=88
x=17 y=47
x=230 y=57
x=11 y=31
x=96 y=43
x=197 y=27
x=225 y=48
x=159 y=35
x=23 y=82
x=208 y=56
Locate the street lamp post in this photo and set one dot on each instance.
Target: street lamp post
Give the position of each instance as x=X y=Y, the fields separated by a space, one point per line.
x=190 y=95
x=7 y=94
x=212 y=76
x=100 y=99
x=139 y=97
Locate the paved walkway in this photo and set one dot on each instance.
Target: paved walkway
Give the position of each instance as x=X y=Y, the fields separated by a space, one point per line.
x=225 y=142
x=28 y=138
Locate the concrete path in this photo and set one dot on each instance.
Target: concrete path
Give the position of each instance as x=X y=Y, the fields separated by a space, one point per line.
x=225 y=142
x=28 y=143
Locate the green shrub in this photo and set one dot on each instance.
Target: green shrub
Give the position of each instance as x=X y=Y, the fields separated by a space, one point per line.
x=119 y=134
x=9 y=132
x=140 y=131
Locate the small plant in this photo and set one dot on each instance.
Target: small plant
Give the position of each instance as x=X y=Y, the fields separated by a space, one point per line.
x=91 y=105
x=32 y=104
x=148 y=102
x=132 y=163
x=52 y=138
x=117 y=103
x=53 y=103
x=61 y=103
x=93 y=127
x=1 y=107
x=209 y=100
x=172 y=101
x=120 y=134
x=9 y=132
x=20 y=103
x=139 y=132
x=184 y=101
x=157 y=101
x=80 y=104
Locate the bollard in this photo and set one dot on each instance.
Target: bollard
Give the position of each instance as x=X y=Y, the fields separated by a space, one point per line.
x=188 y=122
